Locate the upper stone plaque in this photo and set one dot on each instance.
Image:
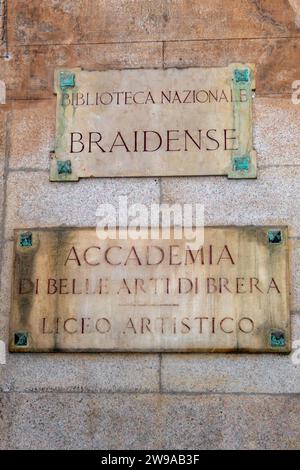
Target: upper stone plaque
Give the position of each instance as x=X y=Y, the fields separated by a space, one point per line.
x=172 y=122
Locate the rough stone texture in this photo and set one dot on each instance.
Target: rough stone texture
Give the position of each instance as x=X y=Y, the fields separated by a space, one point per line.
x=41 y=203
x=273 y=198
x=150 y=421
x=30 y=70
x=231 y=422
x=32 y=133
x=276 y=126
x=272 y=75
x=189 y=416
x=80 y=421
x=80 y=373
x=232 y=373
x=91 y=21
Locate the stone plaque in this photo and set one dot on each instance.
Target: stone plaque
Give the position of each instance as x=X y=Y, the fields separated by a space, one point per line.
x=193 y=121
x=75 y=292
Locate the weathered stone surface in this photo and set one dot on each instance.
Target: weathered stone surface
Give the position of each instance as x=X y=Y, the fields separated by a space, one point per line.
x=32 y=133
x=276 y=60
x=276 y=129
x=252 y=373
x=80 y=373
x=230 y=422
x=149 y=421
x=80 y=421
x=30 y=70
x=37 y=202
x=92 y=21
x=5 y=422
x=273 y=198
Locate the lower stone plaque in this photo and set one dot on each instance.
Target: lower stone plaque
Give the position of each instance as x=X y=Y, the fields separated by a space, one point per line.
x=76 y=291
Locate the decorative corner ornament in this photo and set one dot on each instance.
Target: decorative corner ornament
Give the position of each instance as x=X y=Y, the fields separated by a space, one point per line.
x=241 y=163
x=67 y=80
x=61 y=170
x=277 y=339
x=241 y=75
x=21 y=339
x=25 y=240
x=275 y=237
x=64 y=167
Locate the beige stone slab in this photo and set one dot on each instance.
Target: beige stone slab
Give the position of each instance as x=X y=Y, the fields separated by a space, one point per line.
x=73 y=292
x=277 y=64
x=92 y=21
x=273 y=198
x=195 y=121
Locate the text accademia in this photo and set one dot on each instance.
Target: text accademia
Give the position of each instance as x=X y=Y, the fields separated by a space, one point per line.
x=151 y=255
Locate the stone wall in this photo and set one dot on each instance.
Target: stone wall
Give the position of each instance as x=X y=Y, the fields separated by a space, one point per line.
x=148 y=400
